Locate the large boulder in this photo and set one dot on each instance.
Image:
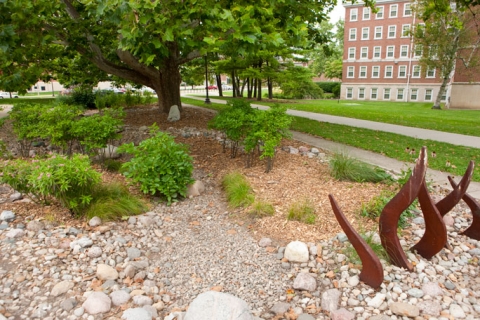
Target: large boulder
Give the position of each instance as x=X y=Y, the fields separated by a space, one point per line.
x=296 y=251
x=174 y=114
x=219 y=306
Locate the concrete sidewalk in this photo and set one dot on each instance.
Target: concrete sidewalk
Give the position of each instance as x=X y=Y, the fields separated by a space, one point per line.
x=4 y=110
x=437 y=177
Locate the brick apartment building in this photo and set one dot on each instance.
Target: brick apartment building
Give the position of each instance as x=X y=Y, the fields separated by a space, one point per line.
x=380 y=60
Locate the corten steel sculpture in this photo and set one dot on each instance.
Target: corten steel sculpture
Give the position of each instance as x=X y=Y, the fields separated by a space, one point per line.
x=372 y=270
x=394 y=208
x=474 y=230
x=435 y=236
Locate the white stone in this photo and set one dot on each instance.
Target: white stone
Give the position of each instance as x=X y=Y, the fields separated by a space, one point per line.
x=353 y=281
x=305 y=281
x=97 y=302
x=94 y=222
x=376 y=301
x=15 y=233
x=457 y=312
x=109 y=152
x=94 y=252
x=218 y=305
x=119 y=297
x=105 y=272
x=296 y=251
x=174 y=114
x=265 y=242
x=195 y=189
x=61 y=288
x=136 y=314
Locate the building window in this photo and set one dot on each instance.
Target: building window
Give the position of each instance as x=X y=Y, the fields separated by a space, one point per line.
x=407 y=10
x=378 y=32
x=386 y=94
x=42 y=88
x=418 y=50
x=361 y=93
x=364 y=53
x=432 y=51
x=392 y=30
x=366 y=13
x=431 y=73
x=416 y=71
x=354 y=14
x=402 y=71
x=349 y=94
x=365 y=32
x=373 y=93
x=405 y=30
x=35 y=87
x=388 y=71
x=351 y=53
x=351 y=72
x=375 y=71
x=428 y=94
x=404 y=51
x=399 y=94
x=363 y=72
x=420 y=29
x=379 y=14
x=393 y=10
x=414 y=94
x=377 y=52
x=443 y=98
x=390 y=52
x=353 y=34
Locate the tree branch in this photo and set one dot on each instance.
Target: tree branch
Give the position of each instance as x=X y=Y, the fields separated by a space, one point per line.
x=191 y=56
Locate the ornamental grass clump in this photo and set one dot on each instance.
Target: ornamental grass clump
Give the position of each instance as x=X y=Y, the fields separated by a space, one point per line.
x=345 y=168
x=238 y=190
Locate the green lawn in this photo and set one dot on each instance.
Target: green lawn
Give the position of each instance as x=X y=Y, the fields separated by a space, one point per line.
x=388 y=144
x=410 y=114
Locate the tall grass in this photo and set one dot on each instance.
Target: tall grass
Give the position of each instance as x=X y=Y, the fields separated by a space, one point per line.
x=303 y=211
x=345 y=168
x=238 y=190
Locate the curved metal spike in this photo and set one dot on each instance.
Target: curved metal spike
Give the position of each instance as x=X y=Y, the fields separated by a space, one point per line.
x=446 y=204
x=372 y=271
x=394 y=208
x=435 y=236
x=474 y=230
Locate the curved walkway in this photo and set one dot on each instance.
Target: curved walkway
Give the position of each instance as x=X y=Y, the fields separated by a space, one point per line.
x=437 y=177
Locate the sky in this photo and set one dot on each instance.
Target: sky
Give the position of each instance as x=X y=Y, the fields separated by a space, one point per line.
x=337 y=13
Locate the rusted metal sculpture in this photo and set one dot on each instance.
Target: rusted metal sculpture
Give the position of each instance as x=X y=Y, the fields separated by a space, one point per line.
x=372 y=270
x=474 y=230
x=435 y=236
x=394 y=208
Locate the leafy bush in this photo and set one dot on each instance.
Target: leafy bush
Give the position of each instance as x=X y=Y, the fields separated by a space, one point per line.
x=303 y=211
x=296 y=83
x=336 y=91
x=83 y=97
x=4 y=152
x=239 y=192
x=345 y=168
x=26 y=122
x=159 y=165
x=70 y=181
x=328 y=86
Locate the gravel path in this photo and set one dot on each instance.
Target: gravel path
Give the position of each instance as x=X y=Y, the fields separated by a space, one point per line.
x=162 y=260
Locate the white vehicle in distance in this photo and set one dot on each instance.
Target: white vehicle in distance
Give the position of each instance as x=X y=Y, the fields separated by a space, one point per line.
x=226 y=87
x=6 y=95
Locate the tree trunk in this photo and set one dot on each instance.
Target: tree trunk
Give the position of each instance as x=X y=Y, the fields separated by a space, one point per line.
x=259 y=90
x=167 y=87
x=270 y=88
x=254 y=84
x=440 y=93
x=234 y=85
x=219 y=85
x=249 y=88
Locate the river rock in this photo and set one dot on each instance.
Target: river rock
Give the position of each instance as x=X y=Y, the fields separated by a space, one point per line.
x=61 y=288
x=97 y=302
x=105 y=272
x=174 y=114
x=296 y=251
x=305 y=281
x=218 y=305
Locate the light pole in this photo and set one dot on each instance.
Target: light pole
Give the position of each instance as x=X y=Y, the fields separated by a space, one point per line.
x=207 y=99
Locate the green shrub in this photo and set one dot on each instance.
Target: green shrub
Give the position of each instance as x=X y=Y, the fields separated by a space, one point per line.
x=4 y=152
x=261 y=209
x=296 y=83
x=159 y=165
x=336 y=90
x=303 y=211
x=26 y=123
x=83 y=97
x=328 y=86
x=238 y=190
x=345 y=168
x=112 y=165
x=113 y=201
x=70 y=181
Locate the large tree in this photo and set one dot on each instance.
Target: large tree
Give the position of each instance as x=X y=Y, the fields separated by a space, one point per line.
x=143 y=42
x=450 y=34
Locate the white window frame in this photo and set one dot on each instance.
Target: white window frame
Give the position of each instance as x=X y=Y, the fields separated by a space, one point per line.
x=406 y=30
x=414 y=95
x=352 y=32
x=351 y=51
x=375 y=69
x=362 y=72
x=349 y=91
x=418 y=47
x=361 y=91
x=364 y=53
x=416 y=74
x=368 y=33
x=393 y=12
x=407 y=10
x=403 y=69
x=352 y=70
x=400 y=94
x=378 y=30
x=373 y=91
x=354 y=14
x=430 y=73
x=387 y=91
x=379 y=52
x=394 y=27
x=366 y=13
x=387 y=56
x=388 y=69
x=380 y=12
x=428 y=92
x=404 y=51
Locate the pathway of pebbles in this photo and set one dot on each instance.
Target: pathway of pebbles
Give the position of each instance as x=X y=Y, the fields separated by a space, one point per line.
x=154 y=265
